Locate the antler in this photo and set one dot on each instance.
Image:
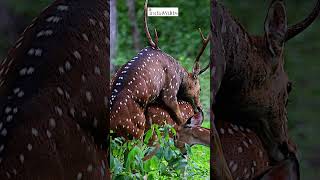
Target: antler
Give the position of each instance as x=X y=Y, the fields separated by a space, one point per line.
x=205 y=42
x=204 y=69
x=146 y=29
x=299 y=27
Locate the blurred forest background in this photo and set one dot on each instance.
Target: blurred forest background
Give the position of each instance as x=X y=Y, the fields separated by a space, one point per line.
x=179 y=37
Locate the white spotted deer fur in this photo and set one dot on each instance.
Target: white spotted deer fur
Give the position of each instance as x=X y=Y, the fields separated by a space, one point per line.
x=53 y=95
x=243 y=150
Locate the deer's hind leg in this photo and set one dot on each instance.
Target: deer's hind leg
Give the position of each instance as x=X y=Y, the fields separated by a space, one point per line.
x=134 y=123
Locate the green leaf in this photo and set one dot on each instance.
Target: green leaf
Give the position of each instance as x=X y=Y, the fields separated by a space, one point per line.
x=130 y=162
x=188 y=148
x=152 y=164
x=148 y=136
x=173 y=131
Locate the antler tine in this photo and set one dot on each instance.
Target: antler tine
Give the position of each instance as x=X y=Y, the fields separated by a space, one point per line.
x=299 y=27
x=204 y=69
x=157 y=38
x=204 y=45
x=146 y=29
x=202 y=36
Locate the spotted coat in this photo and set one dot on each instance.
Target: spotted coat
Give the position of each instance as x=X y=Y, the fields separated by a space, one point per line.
x=243 y=150
x=53 y=96
x=158 y=113
x=149 y=76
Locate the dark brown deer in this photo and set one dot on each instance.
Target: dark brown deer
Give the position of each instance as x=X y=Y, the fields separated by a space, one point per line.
x=53 y=95
x=149 y=76
x=245 y=155
x=254 y=87
x=157 y=113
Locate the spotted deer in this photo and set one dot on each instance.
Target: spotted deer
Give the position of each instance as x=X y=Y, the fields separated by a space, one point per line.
x=192 y=133
x=254 y=87
x=244 y=152
x=53 y=95
x=157 y=113
x=149 y=76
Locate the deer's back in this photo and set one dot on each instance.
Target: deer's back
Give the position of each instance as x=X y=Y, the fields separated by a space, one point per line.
x=145 y=76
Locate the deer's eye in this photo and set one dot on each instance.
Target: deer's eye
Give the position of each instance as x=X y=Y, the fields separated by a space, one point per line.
x=289 y=87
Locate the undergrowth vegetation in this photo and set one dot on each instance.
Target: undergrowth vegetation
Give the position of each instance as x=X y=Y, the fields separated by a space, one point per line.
x=126 y=158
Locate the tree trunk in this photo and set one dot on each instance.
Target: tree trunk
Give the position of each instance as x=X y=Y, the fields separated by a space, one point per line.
x=133 y=24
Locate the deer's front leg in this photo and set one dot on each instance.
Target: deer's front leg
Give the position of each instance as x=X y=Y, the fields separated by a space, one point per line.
x=170 y=100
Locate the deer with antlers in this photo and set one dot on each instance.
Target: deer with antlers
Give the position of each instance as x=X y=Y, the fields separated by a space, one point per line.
x=152 y=75
x=53 y=95
x=251 y=84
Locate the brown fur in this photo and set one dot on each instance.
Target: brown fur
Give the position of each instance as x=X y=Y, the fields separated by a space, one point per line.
x=152 y=75
x=245 y=161
x=58 y=127
x=254 y=89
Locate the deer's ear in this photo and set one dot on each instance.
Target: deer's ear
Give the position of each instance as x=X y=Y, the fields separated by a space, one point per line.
x=196 y=120
x=275 y=27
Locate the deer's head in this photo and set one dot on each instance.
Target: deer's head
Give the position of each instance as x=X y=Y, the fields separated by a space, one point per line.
x=191 y=83
x=192 y=133
x=255 y=87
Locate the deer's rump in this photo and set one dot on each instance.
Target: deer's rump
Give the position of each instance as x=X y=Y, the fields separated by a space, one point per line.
x=157 y=113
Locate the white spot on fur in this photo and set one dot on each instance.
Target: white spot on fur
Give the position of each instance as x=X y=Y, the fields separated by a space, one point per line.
x=62 y=8
x=77 y=55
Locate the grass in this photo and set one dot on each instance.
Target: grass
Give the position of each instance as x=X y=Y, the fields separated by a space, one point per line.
x=200 y=166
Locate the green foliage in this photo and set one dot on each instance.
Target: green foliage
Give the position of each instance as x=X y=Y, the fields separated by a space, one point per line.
x=126 y=158
x=178 y=36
